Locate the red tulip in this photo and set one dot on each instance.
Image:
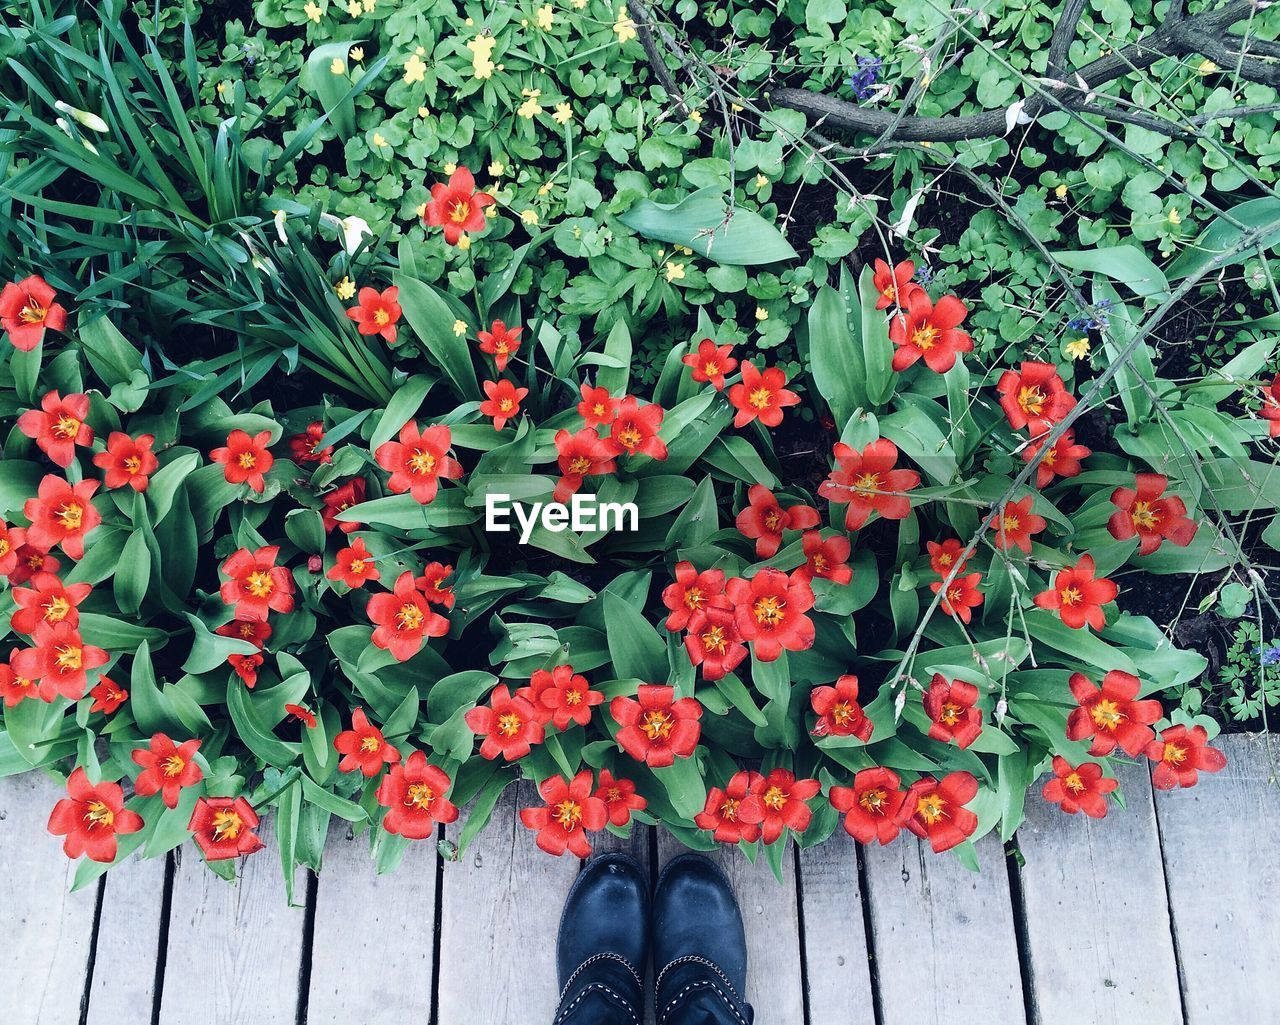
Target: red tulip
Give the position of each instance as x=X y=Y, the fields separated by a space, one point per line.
x=354 y=565
x=770 y=610
x=952 y=707
x=508 y=724
x=710 y=363
x=1111 y=714
x=27 y=309
x=1034 y=397
x=779 y=803
x=404 y=619
x=167 y=768
x=656 y=727
x=868 y=482
x=764 y=520
x=414 y=796
x=921 y=330
x=457 y=206
x=1083 y=788
x=571 y=810
x=128 y=461
x=377 y=313
x=619 y=797
x=839 y=714
x=245 y=459
x=1181 y=754
x=58 y=426
x=762 y=395
x=61 y=514
x=418 y=460
x=363 y=747
x=91 y=817
x=1013 y=527
x=224 y=828
x=721 y=813
x=1145 y=511
x=875 y=808
x=635 y=430
x=256 y=586
x=1077 y=596
x=936 y=810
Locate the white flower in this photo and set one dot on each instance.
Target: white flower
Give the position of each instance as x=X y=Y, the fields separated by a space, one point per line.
x=353 y=229
x=84 y=117
x=279 y=216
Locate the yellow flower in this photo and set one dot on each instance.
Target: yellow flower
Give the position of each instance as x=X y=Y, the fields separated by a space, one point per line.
x=1061 y=191
x=424 y=112
x=459 y=327
x=1077 y=349
x=529 y=216
x=624 y=26
x=345 y=288
x=682 y=249
x=415 y=70
x=369 y=6
x=543 y=17
x=1207 y=67
x=762 y=313
x=695 y=116
x=356 y=53
x=313 y=11
x=338 y=66
x=544 y=189
x=563 y=114
x=421 y=51
x=491 y=212
x=222 y=87
x=379 y=139
x=675 y=271
x=354 y=9
x=761 y=181
x=736 y=108
x=579 y=4
x=496 y=169
x=1175 y=218
x=464 y=242
x=450 y=167
x=482 y=55
x=530 y=108
x=422 y=211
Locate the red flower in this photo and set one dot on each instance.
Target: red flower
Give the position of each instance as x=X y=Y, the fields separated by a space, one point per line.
x=598 y=408
x=245 y=459
x=256 y=586
x=457 y=206
x=128 y=461
x=765 y=520
x=570 y=811
x=500 y=342
x=433 y=587
x=49 y=601
x=953 y=708
x=363 y=747
x=1063 y=460
x=339 y=500
x=868 y=482
x=60 y=660
x=560 y=696
x=503 y=403
x=418 y=460
x=1034 y=397
x=762 y=395
x=619 y=797
x=1150 y=515
x=508 y=724
x=779 y=803
x=692 y=595
x=223 y=827
x=90 y=817
x=61 y=514
x=255 y=632
x=962 y=596
x=945 y=555
x=166 y=768
x=1181 y=754
x=874 y=807
x=710 y=363
x=26 y=309
x=922 y=329
x=377 y=313
x=770 y=610
x=404 y=619
x=1111 y=714
x=1084 y=788
x=354 y=565
x=1014 y=526
x=721 y=811
x=11 y=540
x=246 y=667
x=1077 y=596
x=936 y=810
x=1271 y=406
x=29 y=560
x=58 y=426
x=305 y=447
x=14 y=688
x=826 y=559
x=107 y=696
x=303 y=714
x=895 y=286
x=715 y=644
x=839 y=714
x=656 y=728
x=581 y=455
x=635 y=430
x=414 y=796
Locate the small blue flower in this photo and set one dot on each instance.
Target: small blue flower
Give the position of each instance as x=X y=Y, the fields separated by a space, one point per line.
x=924 y=274
x=1271 y=656
x=1097 y=319
x=862 y=82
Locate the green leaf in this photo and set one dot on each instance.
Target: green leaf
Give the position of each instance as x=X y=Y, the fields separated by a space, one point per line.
x=838 y=370
x=1221 y=236
x=151 y=706
x=403 y=406
x=333 y=91
x=634 y=645
x=255 y=733
x=432 y=321
x=703 y=222
x=1127 y=264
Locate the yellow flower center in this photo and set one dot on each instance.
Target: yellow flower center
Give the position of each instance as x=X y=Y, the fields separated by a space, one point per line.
x=259 y=583
x=772 y=521
x=1074 y=783
x=568 y=814
x=715 y=640
x=459 y=211
x=579 y=465
x=356 y=566
x=775 y=798
x=950 y=713
x=32 y=313
x=711 y=368
x=1106 y=715
x=68 y=658
x=931 y=808
x=868 y=483
x=99 y=816
x=874 y=801
x=613 y=795
x=760 y=398
x=573 y=697
x=925 y=338
x=422 y=463
x=630 y=437
x=226 y=825
x=1175 y=753
x=1010 y=524
x=1031 y=400
x=842 y=712
x=657 y=724
x=173 y=765
x=66 y=426
x=420 y=795
x=410 y=617
x=1145 y=517
x=56 y=609
x=729 y=809
x=380 y=317
x=769 y=610
x=370 y=744
x=506 y=405
x=509 y=724
x=247 y=460
x=1071 y=596
x=70 y=516
x=694 y=598
x=132 y=464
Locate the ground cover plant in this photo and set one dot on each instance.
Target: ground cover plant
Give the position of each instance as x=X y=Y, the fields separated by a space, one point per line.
x=936 y=352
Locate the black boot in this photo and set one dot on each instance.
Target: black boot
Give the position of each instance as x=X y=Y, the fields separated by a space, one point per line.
x=604 y=937
x=699 y=947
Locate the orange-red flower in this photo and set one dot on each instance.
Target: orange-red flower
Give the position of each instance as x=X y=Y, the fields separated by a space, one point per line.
x=635 y=430
x=418 y=461
x=91 y=817
x=952 y=708
x=937 y=811
x=58 y=426
x=762 y=395
x=715 y=643
x=500 y=342
x=874 y=807
x=354 y=565
x=720 y=814
x=1112 y=714
x=962 y=595
x=60 y=661
x=339 y=500
x=255 y=585
x=1080 y=788
x=224 y=827
x=692 y=595
x=571 y=810
x=895 y=286
x=167 y=768
x=921 y=330
x=305 y=447
x=764 y=520
x=1062 y=460
x=254 y=631
x=30 y=560
x=944 y=555
x=107 y=696
x=779 y=803
x=827 y=558
x=503 y=403
x=364 y=747
x=128 y=461
x=1144 y=510
x=27 y=309
x=561 y=696
x=303 y=714
x=433 y=587
x=580 y=455
x=377 y=313
x=15 y=689
x=48 y=600
x=1271 y=406
x=657 y=728
x=1014 y=525
x=1077 y=596
x=11 y=540
x=457 y=206
x=414 y=795
x=770 y=610
x=868 y=482
x=710 y=363
x=245 y=459
x=246 y=667
x=404 y=619
x=839 y=714
x=619 y=797
x=598 y=408
x=1180 y=755
x=509 y=725
x=60 y=514
x=1034 y=397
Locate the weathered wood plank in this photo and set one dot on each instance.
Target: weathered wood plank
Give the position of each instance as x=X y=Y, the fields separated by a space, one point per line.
x=235 y=949
x=363 y=919
x=47 y=929
x=128 y=942
x=1097 y=917
x=834 y=937
x=770 y=914
x=500 y=911
x=1220 y=840
x=944 y=939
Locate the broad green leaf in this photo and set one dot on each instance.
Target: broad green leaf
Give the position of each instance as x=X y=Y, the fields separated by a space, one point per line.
x=703 y=222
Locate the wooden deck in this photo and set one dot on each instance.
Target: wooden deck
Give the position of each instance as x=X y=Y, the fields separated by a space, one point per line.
x=1160 y=914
